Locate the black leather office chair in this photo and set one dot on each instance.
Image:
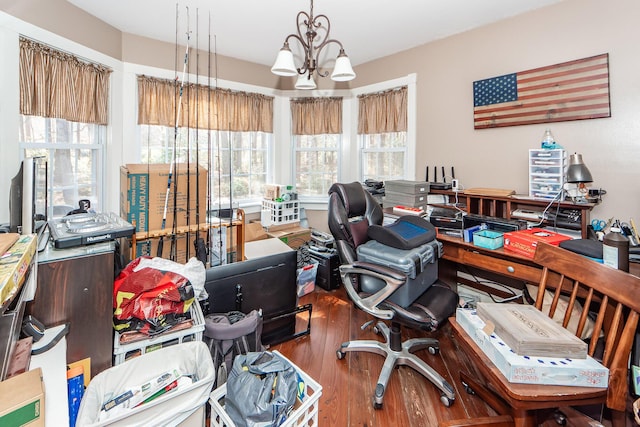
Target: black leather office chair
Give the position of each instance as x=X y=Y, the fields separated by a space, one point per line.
x=352 y=211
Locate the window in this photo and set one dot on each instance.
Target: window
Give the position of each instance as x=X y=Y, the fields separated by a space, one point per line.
x=383 y=156
x=317 y=137
x=63 y=107
x=249 y=156
x=382 y=131
x=74 y=153
x=316 y=163
x=230 y=133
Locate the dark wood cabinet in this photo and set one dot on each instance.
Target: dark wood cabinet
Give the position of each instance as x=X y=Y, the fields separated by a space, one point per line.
x=78 y=290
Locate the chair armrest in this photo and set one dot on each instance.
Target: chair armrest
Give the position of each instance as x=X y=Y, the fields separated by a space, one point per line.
x=392 y=278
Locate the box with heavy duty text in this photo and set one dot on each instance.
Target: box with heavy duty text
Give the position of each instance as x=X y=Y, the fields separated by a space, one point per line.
x=524 y=242
x=531 y=370
x=143 y=194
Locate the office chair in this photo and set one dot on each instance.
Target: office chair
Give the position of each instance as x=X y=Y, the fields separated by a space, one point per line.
x=352 y=213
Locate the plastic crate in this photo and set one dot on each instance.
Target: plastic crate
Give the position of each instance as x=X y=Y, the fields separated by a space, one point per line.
x=274 y=213
x=488 y=239
x=304 y=413
x=123 y=352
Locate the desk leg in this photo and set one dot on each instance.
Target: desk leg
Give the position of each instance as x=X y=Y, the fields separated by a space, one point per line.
x=448 y=272
x=524 y=418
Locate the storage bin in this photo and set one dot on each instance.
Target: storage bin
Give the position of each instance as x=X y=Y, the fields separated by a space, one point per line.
x=406 y=186
x=419 y=264
x=488 y=239
x=275 y=213
x=122 y=352
x=305 y=413
x=181 y=407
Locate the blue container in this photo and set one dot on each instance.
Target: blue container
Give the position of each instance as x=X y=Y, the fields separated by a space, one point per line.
x=488 y=239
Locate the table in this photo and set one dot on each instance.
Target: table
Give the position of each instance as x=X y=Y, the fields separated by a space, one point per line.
x=500 y=265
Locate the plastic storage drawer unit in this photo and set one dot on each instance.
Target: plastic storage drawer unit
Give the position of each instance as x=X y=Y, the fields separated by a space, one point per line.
x=419 y=264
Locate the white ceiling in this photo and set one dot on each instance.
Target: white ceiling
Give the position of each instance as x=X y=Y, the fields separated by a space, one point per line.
x=254 y=30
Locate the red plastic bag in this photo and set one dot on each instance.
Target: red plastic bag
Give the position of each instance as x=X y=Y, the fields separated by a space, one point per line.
x=150 y=295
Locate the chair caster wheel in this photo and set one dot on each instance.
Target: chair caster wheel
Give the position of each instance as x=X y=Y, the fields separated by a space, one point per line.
x=376 y=405
x=339 y=355
x=376 y=330
x=468 y=389
x=433 y=350
x=560 y=417
x=446 y=401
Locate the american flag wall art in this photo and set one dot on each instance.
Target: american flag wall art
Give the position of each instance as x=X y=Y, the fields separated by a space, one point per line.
x=573 y=90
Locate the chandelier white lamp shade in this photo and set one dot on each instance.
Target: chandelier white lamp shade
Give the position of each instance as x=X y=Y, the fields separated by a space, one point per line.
x=313 y=36
x=305 y=81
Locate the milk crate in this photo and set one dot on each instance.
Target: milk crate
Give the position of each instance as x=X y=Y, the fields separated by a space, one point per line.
x=274 y=213
x=305 y=413
x=123 y=352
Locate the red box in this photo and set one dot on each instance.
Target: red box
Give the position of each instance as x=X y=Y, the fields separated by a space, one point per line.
x=524 y=242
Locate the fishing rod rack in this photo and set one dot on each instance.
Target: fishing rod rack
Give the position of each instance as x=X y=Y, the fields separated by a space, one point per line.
x=238 y=223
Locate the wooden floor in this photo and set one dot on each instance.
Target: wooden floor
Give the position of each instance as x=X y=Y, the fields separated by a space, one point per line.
x=348 y=384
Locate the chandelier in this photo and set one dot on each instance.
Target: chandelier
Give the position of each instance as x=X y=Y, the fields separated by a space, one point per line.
x=313 y=35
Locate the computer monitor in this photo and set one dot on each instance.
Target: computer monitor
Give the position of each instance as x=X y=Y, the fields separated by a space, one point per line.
x=28 y=198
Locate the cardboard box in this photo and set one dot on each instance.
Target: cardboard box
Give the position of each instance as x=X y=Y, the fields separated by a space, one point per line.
x=532 y=370
x=524 y=242
x=14 y=265
x=143 y=190
x=294 y=237
x=254 y=231
x=22 y=402
x=272 y=191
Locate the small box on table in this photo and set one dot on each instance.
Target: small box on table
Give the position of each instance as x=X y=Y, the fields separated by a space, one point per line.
x=488 y=239
x=532 y=370
x=524 y=242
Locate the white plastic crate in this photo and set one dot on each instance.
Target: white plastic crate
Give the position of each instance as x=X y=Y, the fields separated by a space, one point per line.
x=274 y=213
x=122 y=352
x=304 y=414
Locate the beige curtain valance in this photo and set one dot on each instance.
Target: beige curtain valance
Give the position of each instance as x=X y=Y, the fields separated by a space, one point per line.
x=383 y=112
x=202 y=107
x=59 y=85
x=316 y=116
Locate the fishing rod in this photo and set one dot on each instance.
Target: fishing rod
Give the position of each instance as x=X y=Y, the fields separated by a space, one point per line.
x=198 y=243
x=209 y=152
x=188 y=247
x=172 y=165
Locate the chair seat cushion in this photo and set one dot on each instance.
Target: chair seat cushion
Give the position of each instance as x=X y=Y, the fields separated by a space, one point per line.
x=429 y=311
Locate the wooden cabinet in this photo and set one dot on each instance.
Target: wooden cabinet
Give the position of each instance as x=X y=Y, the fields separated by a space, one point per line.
x=75 y=286
x=564 y=215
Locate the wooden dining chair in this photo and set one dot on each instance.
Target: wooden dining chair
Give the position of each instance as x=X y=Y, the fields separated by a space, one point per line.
x=610 y=297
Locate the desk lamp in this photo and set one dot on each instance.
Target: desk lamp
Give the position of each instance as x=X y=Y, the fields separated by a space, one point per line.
x=578 y=173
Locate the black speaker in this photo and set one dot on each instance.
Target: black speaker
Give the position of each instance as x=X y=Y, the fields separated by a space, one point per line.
x=328 y=275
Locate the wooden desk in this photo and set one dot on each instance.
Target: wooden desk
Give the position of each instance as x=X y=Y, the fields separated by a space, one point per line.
x=499 y=265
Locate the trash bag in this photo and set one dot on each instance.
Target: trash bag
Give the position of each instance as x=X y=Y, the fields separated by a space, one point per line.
x=150 y=300
x=261 y=390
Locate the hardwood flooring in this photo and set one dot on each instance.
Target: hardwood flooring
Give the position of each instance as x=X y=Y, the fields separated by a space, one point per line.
x=348 y=384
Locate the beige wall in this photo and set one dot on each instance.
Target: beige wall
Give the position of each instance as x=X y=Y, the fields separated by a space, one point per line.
x=445 y=70
x=66 y=20
x=569 y=30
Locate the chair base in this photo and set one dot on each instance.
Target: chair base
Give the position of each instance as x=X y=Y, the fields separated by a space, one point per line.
x=398 y=353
